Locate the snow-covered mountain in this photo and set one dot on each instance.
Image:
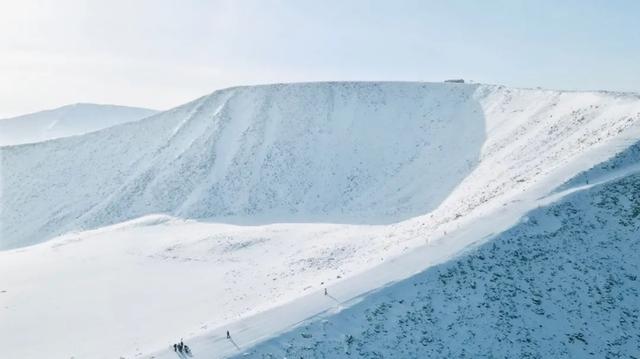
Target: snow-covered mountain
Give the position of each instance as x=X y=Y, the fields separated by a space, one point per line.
x=355 y=153
x=236 y=210
x=66 y=121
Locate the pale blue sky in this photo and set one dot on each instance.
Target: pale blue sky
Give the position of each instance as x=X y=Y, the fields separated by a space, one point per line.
x=161 y=53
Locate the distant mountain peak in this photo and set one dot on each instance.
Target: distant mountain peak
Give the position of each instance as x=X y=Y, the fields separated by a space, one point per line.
x=65 y=121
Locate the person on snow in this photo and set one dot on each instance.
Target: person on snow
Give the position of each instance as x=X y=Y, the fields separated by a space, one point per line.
x=325 y=292
x=175 y=347
x=186 y=349
x=228 y=335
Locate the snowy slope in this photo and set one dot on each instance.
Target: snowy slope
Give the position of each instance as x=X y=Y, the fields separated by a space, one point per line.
x=235 y=210
x=66 y=121
x=561 y=284
x=373 y=153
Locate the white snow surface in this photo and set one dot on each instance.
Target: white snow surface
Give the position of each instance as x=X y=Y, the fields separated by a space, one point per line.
x=66 y=121
x=235 y=210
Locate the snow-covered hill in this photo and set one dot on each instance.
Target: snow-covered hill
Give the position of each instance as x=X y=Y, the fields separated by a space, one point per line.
x=234 y=211
x=66 y=121
x=356 y=153
x=564 y=283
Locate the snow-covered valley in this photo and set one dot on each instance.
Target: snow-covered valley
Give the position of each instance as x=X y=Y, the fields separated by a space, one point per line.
x=236 y=210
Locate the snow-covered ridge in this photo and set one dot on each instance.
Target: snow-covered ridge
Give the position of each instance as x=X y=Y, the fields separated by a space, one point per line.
x=561 y=284
x=372 y=153
x=66 y=121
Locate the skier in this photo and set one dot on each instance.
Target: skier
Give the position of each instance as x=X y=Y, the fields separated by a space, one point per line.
x=228 y=335
x=175 y=347
x=186 y=349
x=325 y=292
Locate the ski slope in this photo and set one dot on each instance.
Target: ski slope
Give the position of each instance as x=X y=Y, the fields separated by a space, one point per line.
x=66 y=121
x=227 y=211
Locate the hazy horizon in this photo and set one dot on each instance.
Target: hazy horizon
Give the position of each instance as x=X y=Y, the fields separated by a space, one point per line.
x=159 y=54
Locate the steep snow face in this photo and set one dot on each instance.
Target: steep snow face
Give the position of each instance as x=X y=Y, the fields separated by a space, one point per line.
x=355 y=153
x=561 y=284
x=292 y=153
x=66 y=121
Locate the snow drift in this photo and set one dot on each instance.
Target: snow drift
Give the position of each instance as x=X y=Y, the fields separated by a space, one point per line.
x=66 y=121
